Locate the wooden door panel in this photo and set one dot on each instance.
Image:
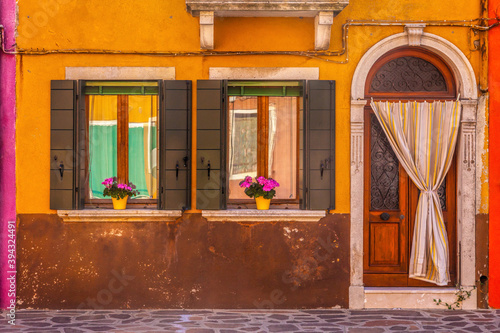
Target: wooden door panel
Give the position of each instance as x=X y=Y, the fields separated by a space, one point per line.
x=389 y=280
x=384 y=244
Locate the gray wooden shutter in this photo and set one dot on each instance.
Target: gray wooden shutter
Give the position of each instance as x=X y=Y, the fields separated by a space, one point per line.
x=319 y=154
x=81 y=142
x=63 y=160
x=211 y=134
x=302 y=156
x=175 y=146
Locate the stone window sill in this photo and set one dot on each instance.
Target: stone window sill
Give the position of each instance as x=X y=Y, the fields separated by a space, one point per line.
x=125 y=215
x=271 y=215
x=230 y=215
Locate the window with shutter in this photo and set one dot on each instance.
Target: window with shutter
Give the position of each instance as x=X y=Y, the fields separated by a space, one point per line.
x=263 y=120
x=122 y=137
x=259 y=128
x=136 y=131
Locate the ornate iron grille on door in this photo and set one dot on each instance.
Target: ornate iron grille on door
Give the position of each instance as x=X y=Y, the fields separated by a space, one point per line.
x=384 y=170
x=408 y=74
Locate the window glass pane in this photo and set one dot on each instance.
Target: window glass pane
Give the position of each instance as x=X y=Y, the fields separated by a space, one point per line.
x=242 y=142
x=282 y=163
x=142 y=144
x=102 y=142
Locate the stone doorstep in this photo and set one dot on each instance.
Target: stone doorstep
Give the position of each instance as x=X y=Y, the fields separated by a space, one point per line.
x=407 y=298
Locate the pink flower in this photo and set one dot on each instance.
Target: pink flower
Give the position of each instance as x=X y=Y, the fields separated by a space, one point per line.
x=267 y=188
x=273 y=183
x=261 y=180
x=270 y=184
x=108 y=182
x=247 y=182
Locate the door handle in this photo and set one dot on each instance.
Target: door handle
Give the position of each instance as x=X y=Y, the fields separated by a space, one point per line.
x=208 y=169
x=61 y=169
x=321 y=169
x=177 y=171
x=402 y=217
x=385 y=216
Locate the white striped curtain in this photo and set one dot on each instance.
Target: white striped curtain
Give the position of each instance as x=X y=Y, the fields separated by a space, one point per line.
x=423 y=136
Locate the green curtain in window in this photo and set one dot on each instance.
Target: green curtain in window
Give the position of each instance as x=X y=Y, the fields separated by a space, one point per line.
x=102 y=157
x=136 y=169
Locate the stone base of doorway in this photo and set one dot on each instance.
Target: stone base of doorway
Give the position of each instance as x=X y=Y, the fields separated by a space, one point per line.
x=413 y=298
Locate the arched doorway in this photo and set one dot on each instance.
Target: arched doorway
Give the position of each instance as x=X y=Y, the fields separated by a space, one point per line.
x=390 y=197
x=465 y=82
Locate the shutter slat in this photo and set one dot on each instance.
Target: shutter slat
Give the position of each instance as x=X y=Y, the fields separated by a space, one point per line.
x=319 y=190
x=210 y=138
x=62 y=144
x=175 y=144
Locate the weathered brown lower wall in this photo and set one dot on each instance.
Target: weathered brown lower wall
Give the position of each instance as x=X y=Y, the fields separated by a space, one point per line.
x=190 y=263
x=482 y=257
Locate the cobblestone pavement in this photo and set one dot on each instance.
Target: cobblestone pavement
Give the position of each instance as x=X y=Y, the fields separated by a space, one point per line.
x=229 y=321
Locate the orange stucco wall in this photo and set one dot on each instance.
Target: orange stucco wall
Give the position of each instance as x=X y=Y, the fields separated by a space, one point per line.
x=159 y=25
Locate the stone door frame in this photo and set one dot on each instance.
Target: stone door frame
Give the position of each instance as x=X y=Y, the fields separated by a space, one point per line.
x=466 y=172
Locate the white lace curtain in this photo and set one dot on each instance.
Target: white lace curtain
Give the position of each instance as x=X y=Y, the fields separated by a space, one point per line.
x=423 y=136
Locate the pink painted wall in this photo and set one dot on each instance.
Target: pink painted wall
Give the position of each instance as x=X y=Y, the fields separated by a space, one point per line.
x=7 y=143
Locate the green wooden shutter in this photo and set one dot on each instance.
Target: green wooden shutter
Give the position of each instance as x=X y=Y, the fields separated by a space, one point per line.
x=175 y=146
x=63 y=136
x=319 y=162
x=211 y=134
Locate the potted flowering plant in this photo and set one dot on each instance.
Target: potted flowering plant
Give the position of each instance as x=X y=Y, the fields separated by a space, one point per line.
x=118 y=192
x=263 y=190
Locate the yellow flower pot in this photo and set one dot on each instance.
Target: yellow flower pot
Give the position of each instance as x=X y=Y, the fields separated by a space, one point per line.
x=120 y=203
x=262 y=204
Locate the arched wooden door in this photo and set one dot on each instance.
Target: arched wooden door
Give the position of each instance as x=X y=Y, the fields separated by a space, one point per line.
x=390 y=196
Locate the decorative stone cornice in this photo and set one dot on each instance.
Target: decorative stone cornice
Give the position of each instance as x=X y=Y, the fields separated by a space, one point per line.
x=323 y=12
x=265 y=8
x=414 y=32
